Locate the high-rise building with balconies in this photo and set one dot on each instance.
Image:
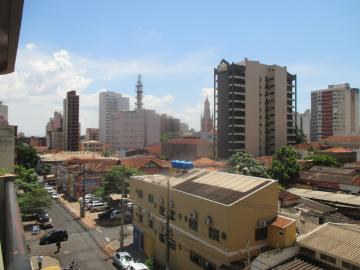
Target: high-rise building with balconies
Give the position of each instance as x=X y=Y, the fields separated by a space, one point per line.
x=71 y=123
x=254 y=107
x=334 y=111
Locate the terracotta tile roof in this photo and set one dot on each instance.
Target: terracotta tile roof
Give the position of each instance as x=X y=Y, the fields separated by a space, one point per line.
x=342 y=139
x=95 y=165
x=154 y=149
x=187 y=141
x=285 y=195
x=204 y=162
x=338 y=150
x=282 y=222
x=305 y=146
x=141 y=161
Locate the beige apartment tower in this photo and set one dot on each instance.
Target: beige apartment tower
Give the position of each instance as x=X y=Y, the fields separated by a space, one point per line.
x=255 y=108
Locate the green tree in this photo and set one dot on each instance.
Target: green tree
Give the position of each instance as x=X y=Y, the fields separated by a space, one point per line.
x=324 y=160
x=99 y=192
x=285 y=167
x=246 y=164
x=164 y=137
x=26 y=155
x=149 y=262
x=37 y=198
x=113 y=179
x=43 y=169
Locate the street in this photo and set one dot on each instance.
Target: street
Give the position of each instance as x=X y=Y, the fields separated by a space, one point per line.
x=83 y=247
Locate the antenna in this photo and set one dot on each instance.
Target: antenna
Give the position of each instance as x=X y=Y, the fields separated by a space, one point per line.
x=139 y=93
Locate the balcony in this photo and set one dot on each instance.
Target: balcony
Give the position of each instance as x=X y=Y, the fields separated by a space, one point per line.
x=14 y=250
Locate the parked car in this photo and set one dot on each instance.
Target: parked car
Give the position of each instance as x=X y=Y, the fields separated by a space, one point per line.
x=53 y=237
x=137 y=266
x=49 y=189
x=87 y=197
x=42 y=215
x=99 y=206
x=92 y=202
x=105 y=214
x=47 y=224
x=54 y=195
x=122 y=259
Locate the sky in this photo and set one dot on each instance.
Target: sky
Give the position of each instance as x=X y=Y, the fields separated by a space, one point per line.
x=93 y=46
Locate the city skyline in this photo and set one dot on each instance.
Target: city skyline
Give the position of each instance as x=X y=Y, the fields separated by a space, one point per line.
x=176 y=60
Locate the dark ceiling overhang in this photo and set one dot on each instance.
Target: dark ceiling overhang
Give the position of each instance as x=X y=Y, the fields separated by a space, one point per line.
x=10 y=22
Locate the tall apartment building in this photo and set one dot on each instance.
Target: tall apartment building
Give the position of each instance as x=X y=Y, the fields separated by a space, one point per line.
x=71 y=135
x=134 y=129
x=92 y=134
x=3 y=113
x=110 y=102
x=169 y=124
x=254 y=107
x=54 y=132
x=303 y=123
x=334 y=111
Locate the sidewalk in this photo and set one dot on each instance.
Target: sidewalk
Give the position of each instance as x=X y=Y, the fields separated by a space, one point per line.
x=48 y=263
x=74 y=207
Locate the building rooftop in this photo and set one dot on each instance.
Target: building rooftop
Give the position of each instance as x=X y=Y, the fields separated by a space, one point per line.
x=140 y=161
x=221 y=187
x=350 y=138
x=333 y=170
x=335 y=239
x=282 y=222
x=297 y=264
x=67 y=155
x=331 y=175
x=338 y=150
x=205 y=162
x=195 y=141
x=336 y=198
x=154 y=149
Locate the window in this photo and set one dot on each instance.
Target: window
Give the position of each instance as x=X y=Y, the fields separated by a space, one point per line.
x=307 y=252
x=327 y=258
x=179 y=216
x=151 y=223
x=172 y=215
x=223 y=236
x=151 y=198
x=193 y=224
x=139 y=193
x=260 y=234
x=162 y=237
x=140 y=218
x=281 y=233
x=172 y=244
x=162 y=210
x=201 y=261
x=214 y=234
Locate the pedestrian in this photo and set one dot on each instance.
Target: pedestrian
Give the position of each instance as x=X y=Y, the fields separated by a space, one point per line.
x=58 y=244
x=39 y=261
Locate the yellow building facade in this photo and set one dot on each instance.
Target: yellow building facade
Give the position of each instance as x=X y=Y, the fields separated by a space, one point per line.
x=216 y=218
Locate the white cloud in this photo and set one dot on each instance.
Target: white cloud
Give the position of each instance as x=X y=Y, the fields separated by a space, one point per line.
x=41 y=81
x=31 y=46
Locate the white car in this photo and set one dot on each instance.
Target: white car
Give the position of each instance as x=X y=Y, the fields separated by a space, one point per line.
x=122 y=259
x=54 y=195
x=137 y=266
x=87 y=197
x=50 y=189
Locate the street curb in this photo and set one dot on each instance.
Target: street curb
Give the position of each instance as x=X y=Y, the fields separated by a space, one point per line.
x=105 y=249
x=76 y=217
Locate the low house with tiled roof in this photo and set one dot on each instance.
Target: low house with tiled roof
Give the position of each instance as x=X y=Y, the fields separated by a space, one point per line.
x=154 y=150
x=187 y=148
x=343 y=155
x=324 y=177
x=147 y=164
x=209 y=164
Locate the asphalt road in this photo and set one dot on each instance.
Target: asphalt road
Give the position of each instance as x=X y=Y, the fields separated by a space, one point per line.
x=83 y=247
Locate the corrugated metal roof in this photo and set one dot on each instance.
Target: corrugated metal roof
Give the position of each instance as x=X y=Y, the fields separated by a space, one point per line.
x=326 y=169
x=335 y=239
x=225 y=188
x=297 y=264
x=327 y=177
x=348 y=199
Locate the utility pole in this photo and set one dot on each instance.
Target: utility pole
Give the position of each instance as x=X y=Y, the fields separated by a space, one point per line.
x=123 y=216
x=82 y=209
x=168 y=223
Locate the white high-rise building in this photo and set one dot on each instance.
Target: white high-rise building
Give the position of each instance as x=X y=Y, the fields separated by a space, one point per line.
x=109 y=103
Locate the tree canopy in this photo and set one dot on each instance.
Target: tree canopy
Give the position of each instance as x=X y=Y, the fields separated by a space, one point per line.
x=324 y=160
x=285 y=167
x=26 y=155
x=246 y=164
x=113 y=179
x=34 y=195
